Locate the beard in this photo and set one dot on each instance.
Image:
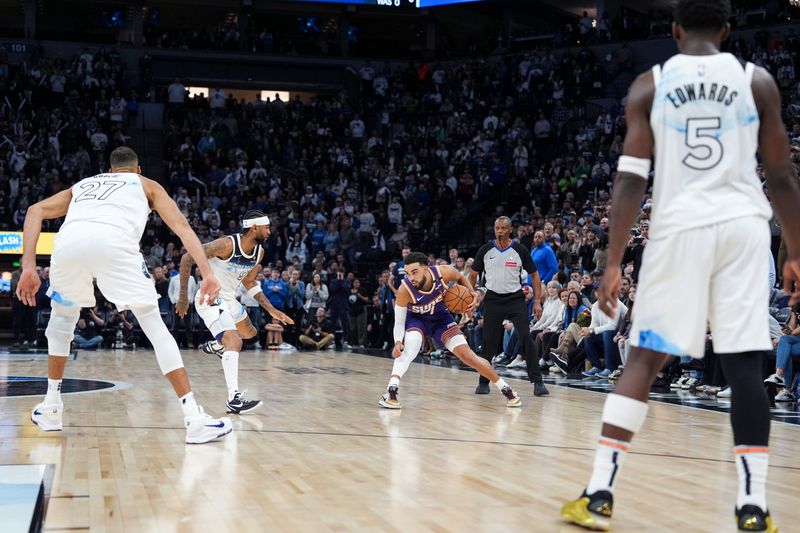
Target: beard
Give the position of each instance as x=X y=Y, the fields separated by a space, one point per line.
x=261 y=240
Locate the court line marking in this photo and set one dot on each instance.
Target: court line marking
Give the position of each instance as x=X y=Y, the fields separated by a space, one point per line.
x=420 y=438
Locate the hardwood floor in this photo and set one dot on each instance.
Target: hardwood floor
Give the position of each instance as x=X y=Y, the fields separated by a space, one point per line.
x=321 y=455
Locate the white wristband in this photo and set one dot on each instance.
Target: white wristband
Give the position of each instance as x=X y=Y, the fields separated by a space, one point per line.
x=634 y=165
x=252 y=291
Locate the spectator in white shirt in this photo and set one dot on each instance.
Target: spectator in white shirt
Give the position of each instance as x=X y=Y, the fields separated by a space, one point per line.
x=176 y=92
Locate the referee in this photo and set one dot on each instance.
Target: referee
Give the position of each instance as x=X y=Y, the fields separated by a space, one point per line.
x=505 y=264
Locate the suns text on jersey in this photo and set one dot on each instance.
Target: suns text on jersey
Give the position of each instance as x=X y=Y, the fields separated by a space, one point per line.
x=426 y=309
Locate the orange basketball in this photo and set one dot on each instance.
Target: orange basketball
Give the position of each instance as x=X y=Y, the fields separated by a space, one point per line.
x=457 y=299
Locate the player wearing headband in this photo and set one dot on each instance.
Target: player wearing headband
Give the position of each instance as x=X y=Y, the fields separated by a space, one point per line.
x=233 y=259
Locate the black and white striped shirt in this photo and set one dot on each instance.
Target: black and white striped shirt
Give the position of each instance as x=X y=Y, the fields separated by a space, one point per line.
x=506 y=269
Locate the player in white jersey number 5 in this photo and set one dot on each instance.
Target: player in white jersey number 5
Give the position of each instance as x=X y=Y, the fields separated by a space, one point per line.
x=233 y=259
x=704 y=115
x=99 y=240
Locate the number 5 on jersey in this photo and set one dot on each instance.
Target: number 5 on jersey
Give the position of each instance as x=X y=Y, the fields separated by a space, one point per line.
x=702 y=137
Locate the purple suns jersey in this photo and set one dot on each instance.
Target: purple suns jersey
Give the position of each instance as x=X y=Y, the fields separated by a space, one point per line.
x=427 y=303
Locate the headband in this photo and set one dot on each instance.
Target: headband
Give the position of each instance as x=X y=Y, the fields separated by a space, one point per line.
x=260 y=221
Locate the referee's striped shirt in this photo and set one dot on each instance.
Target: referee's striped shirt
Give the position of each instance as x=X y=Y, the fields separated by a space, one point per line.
x=505 y=269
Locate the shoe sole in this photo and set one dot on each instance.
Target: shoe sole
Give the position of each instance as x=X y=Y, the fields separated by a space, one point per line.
x=545 y=393
x=203 y=440
x=46 y=427
x=512 y=405
x=388 y=405
x=245 y=411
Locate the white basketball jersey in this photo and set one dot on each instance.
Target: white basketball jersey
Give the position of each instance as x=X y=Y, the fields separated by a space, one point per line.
x=232 y=270
x=116 y=200
x=705 y=123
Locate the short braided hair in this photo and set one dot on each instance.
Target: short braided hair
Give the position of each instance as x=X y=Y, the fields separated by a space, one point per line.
x=702 y=14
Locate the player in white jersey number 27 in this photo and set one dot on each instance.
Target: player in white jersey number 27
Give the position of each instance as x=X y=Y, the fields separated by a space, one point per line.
x=234 y=259
x=706 y=116
x=99 y=240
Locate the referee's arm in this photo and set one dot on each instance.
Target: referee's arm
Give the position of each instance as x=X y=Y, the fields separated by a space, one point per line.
x=477 y=264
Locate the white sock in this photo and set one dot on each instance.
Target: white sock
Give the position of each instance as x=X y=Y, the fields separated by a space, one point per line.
x=230 y=365
x=500 y=384
x=751 y=465
x=394 y=381
x=53 y=391
x=608 y=459
x=188 y=405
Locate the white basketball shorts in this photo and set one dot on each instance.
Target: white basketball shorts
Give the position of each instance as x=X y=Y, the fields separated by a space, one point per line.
x=210 y=313
x=717 y=273
x=87 y=251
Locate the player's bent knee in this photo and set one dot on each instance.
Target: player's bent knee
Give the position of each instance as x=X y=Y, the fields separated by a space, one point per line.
x=61 y=328
x=167 y=353
x=232 y=341
x=453 y=343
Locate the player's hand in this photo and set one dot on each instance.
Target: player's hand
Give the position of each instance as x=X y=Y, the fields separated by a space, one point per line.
x=473 y=305
x=209 y=290
x=537 y=309
x=397 y=351
x=182 y=307
x=283 y=318
x=608 y=291
x=29 y=283
x=791 y=279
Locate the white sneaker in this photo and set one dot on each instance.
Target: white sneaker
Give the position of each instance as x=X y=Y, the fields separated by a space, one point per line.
x=204 y=428
x=678 y=384
x=776 y=379
x=724 y=393
x=689 y=383
x=516 y=363
x=498 y=357
x=785 y=395
x=286 y=347
x=48 y=416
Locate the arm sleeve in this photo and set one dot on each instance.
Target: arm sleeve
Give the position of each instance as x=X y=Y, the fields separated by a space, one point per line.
x=399 y=323
x=527 y=260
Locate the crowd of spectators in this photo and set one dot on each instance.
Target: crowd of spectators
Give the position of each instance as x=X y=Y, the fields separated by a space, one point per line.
x=425 y=153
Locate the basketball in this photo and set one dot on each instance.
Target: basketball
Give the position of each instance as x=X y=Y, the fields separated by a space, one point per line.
x=457 y=299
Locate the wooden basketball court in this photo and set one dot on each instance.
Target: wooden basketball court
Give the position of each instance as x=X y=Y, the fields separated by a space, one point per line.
x=321 y=455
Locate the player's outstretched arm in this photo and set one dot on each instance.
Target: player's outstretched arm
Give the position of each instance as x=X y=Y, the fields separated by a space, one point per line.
x=254 y=289
x=400 y=312
x=629 y=185
x=222 y=248
x=174 y=219
x=54 y=207
x=784 y=189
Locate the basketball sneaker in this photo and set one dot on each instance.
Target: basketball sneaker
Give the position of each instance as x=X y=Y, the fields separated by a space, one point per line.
x=592 y=512
x=48 y=416
x=512 y=399
x=203 y=428
x=240 y=406
x=389 y=399
x=752 y=518
x=212 y=347
x=482 y=388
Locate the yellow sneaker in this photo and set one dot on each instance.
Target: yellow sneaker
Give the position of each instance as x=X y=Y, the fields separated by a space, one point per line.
x=389 y=400
x=752 y=518
x=592 y=512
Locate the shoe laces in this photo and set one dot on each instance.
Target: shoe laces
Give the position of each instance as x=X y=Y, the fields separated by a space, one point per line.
x=508 y=393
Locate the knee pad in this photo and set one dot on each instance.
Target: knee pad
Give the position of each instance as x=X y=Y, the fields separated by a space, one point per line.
x=221 y=325
x=624 y=412
x=167 y=353
x=455 y=341
x=61 y=328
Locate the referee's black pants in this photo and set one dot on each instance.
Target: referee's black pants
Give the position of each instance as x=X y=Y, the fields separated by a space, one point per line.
x=511 y=306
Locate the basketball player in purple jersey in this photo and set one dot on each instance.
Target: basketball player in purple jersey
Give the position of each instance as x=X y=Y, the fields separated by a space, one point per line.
x=419 y=311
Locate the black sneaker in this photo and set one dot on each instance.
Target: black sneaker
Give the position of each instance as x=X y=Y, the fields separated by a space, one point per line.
x=752 y=518
x=239 y=405
x=560 y=361
x=539 y=389
x=482 y=388
x=208 y=348
x=660 y=384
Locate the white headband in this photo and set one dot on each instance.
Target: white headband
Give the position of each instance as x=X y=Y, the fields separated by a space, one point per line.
x=260 y=221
